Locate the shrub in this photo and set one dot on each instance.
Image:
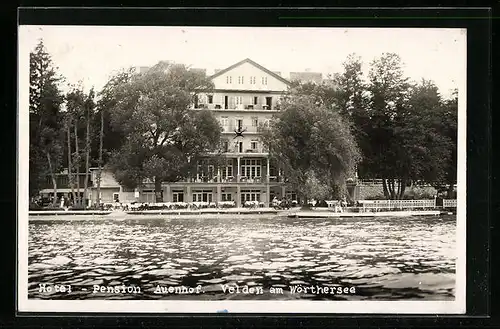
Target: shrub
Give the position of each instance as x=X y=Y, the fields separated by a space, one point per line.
x=419 y=193
x=375 y=196
x=225 y=205
x=322 y=204
x=51 y=207
x=34 y=206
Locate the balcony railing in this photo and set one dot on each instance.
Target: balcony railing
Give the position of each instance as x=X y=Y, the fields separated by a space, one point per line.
x=232 y=106
x=244 y=129
x=233 y=179
x=246 y=150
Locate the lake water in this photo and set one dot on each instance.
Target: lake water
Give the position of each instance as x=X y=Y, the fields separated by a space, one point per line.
x=382 y=258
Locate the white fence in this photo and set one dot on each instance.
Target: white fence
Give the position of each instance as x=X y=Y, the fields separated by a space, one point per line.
x=449 y=203
x=405 y=204
x=398 y=203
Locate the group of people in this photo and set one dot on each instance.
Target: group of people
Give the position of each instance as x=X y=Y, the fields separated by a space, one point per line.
x=61 y=202
x=284 y=203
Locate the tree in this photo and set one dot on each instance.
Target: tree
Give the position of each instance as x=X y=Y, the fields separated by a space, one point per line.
x=353 y=97
x=309 y=140
x=89 y=106
x=76 y=110
x=324 y=94
x=351 y=89
x=400 y=132
x=163 y=135
x=422 y=133
x=382 y=150
x=99 y=172
x=45 y=120
x=449 y=122
x=315 y=188
x=68 y=125
x=114 y=137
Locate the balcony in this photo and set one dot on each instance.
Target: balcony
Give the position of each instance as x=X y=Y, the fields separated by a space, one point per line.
x=245 y=129
x=253 y=180
x=225 y=180
x=259 y=150
x=236 y=107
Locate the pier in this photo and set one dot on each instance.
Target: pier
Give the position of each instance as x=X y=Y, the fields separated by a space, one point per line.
x=327 y=214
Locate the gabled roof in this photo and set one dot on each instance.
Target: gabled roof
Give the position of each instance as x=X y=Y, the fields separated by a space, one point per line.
x=248 y=60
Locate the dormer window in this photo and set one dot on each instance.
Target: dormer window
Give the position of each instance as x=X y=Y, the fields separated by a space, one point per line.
x=229 y=79
x=264 y=80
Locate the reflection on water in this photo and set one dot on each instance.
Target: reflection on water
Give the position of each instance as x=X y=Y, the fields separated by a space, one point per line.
x=383 y=258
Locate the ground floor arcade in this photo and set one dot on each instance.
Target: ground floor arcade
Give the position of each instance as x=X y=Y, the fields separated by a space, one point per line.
x=216 y=193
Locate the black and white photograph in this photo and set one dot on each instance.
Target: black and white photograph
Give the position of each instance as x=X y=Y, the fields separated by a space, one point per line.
x=184 y=169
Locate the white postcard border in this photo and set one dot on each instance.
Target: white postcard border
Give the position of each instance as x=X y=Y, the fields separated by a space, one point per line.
x=275 y=306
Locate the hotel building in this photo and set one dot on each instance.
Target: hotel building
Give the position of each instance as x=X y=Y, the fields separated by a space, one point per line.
x=245 y=95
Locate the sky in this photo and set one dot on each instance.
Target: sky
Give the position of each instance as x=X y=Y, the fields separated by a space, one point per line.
x=92 y=53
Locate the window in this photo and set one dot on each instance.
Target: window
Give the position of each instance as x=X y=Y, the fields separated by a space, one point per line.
x=251 y=168
x=229 y=79
x=202 y=196
x=240 y=80
x=249 y=195
x=239 y=124
x=227 y=197
x=255 y=121
x=253 y=145
x=227 y=170
x=116 y=197
x=238 y=100
x=148 y=196
x=255 y=100
x=252 y=80
x=210 y=99
x=225 y=146
x=264 y=80
x=224 y=122
x=178 y=196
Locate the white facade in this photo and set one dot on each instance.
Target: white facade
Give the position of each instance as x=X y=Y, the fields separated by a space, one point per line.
x=111 y=191
x=248 y=76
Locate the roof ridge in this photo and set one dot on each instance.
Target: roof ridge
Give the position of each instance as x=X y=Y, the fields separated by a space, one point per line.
x=248 y=60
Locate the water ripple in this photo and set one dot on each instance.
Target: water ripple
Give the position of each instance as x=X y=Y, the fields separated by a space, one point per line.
x=384 y=258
